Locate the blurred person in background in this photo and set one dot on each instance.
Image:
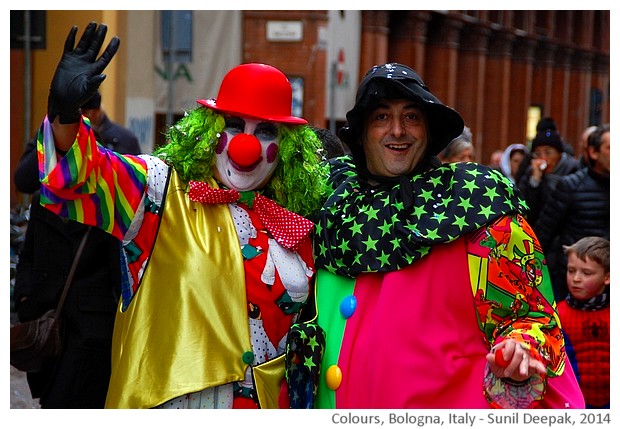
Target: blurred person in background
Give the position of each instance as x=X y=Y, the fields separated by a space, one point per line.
x=333 y=146
x=109 y=133
x=461 y=149
x=548 y=164
x=495 y=159
x=512 y=157
x=583 y=146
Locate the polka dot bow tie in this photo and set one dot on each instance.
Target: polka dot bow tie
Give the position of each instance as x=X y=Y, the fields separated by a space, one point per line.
x=286 y=227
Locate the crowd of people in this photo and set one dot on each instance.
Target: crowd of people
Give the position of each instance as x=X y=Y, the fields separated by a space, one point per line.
x=255 y=261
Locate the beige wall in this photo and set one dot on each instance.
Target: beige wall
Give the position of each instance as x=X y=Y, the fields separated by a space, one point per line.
x=142 y=33
x=59 y=22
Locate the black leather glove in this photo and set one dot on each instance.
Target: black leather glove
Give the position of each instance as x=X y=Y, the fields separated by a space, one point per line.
x=78 y=74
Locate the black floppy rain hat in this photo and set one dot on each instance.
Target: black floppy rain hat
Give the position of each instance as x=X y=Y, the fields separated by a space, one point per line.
x=392 y=81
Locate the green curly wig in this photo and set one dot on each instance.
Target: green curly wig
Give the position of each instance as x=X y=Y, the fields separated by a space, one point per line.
x=299 y=182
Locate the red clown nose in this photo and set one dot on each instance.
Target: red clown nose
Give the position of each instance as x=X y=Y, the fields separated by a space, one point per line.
x=244 y=149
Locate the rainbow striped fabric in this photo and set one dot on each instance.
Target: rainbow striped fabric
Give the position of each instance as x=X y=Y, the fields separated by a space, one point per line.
x=90 y=184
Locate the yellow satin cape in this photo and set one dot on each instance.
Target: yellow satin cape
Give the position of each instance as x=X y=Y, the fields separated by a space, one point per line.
x=187 y=326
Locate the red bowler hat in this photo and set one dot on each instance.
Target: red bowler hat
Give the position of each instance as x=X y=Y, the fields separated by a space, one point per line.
x=256 y=90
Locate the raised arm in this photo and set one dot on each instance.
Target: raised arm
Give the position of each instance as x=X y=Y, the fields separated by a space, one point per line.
x=91 y=184
x=77 y=78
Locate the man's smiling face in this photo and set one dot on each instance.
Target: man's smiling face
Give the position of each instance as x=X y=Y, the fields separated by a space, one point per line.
x=395 y=138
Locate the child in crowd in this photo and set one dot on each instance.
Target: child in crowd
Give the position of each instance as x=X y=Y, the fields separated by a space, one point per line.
x=585 y=317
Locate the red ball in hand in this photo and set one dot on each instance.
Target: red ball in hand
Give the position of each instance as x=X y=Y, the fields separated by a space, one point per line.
x=499 y=358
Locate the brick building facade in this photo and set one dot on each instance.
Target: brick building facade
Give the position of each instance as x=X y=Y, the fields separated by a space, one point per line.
x=499 y=69
x=491 y=66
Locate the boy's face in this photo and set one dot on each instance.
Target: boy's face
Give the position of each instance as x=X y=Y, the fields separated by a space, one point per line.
x=585 y=279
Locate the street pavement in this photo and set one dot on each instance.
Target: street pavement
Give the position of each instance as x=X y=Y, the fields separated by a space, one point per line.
x=20 y=392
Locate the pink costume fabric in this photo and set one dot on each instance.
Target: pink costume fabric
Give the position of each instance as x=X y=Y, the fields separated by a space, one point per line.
x=439 y=351
x=448 y=371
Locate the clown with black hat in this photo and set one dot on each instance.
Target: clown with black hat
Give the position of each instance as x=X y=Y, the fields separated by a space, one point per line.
x=431 y=287
x=217 y=253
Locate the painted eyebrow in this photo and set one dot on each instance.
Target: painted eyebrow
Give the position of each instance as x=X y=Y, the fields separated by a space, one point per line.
x=233 y=119
x=267 y=125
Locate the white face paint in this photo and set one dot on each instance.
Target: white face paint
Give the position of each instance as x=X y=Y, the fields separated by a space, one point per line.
x=256 y=175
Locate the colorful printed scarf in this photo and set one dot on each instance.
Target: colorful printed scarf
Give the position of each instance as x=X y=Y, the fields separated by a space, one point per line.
x=364 y=228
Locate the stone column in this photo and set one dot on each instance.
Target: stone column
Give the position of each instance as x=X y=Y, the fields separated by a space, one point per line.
x=542 y=77
x=578 y=109
x=442 y=58
x=374 y=49
x=497 y=91
x=561 y=97
x=521 y=89
x=470 y=78
x=408 y=39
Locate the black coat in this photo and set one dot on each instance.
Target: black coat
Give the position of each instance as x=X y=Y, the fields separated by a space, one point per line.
x=578 y=208
x=79 y=378
x=115 y=137
x=537 y=197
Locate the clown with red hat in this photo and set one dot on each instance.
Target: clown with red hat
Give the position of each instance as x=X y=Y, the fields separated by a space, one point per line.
x=217 y=254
